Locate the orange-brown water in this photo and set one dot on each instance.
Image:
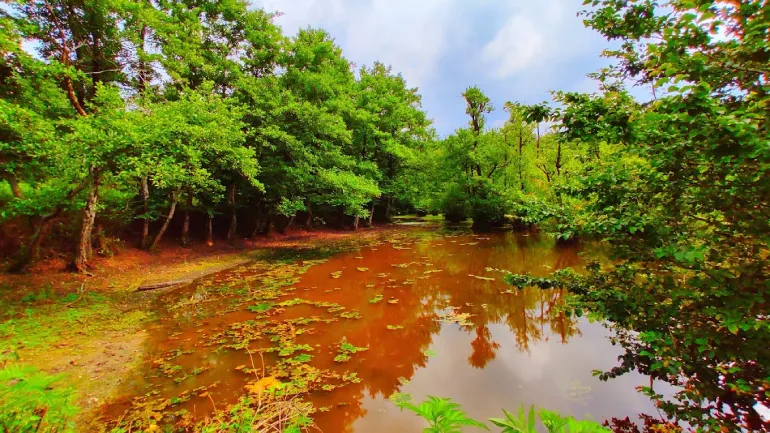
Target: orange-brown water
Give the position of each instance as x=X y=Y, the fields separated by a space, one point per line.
x=453 y=328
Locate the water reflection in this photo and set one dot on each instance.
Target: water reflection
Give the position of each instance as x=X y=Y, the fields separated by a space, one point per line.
x=452 y=328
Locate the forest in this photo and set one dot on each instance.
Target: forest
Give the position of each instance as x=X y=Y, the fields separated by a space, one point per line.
x=145 y=124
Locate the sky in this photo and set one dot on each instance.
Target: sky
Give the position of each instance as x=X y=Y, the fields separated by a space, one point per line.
x=514 y=50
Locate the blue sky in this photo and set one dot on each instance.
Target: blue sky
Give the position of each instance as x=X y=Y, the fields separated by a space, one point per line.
x=515 y=50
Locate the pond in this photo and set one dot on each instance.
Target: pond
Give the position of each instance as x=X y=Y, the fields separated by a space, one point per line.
x=428 y=305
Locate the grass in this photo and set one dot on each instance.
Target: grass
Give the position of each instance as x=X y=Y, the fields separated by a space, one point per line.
x=91 y=339
x=41 y=324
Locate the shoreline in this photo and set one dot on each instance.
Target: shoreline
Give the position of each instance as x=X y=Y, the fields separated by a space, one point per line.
x=92 y=330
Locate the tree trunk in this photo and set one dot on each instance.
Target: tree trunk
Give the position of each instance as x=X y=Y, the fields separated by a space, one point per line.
x=309 y=219
x=146 y=203
x=268 y=223
x=186 y=225
x=288 y=224
x=521 y=161
x=170 y=215
x=387 y=208
x=84 y=250
x=356 y=219
x=258 y=220
x=101 y=240
x=371 y=215
x=143 y=73
x=233 y=218
x=558 y=159
x=32 y=250
x=210 y=231
x=14 y=183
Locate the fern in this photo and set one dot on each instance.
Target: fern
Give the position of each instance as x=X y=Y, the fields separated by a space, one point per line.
x=553 y=422
x=30 y=401
x=443 y=415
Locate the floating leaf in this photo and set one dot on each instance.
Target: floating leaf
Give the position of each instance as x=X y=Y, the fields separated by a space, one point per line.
x=262 y=385
x=350 y=315
x=342 y=357
x=399 y=398
x=260 y=308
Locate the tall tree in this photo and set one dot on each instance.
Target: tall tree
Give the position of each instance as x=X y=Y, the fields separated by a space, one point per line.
x=684 y=204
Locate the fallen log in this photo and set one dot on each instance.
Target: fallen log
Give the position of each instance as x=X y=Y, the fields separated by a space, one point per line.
x=162 y=285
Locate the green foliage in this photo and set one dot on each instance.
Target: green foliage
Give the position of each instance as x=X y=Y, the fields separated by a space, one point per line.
x=442 y=415
x=552 y=421
x=345 y=350
x=31 y=401
x=213 y=98
x=445 y=416
x=680 y=199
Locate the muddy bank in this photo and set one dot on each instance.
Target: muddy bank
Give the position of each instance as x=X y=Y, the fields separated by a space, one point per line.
x=131 y=267
x=92 y=329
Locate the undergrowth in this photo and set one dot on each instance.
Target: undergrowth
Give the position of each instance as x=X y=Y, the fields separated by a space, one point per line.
x=445 y=416
x=33 y=401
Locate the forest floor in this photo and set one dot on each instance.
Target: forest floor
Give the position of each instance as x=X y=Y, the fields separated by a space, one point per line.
x=91 y=328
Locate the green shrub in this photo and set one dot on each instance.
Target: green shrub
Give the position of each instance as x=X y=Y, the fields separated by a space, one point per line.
x=32 y=401
x=445 y=416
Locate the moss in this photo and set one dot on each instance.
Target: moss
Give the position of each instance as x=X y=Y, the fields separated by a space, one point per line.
x=95 y=338
x=42 y=325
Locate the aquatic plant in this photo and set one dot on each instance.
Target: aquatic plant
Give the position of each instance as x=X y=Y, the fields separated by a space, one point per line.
x=345 y=350
x=288 y=415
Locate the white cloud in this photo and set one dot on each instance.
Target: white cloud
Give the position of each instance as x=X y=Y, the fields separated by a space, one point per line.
x=514 y=50
x=536 y=36
x=410 y=35
x=517 y=45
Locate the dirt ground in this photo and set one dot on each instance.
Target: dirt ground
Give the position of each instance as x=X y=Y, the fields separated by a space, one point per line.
x=132 y=267
x=92 y=328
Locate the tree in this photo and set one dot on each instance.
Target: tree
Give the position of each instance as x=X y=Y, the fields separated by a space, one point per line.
x=191 y=140
x=85 y=40
x=684 y=204
x=389 y=130
x=537 y=114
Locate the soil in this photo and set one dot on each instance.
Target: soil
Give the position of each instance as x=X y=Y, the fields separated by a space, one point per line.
x=105 y=340
x=131 y=267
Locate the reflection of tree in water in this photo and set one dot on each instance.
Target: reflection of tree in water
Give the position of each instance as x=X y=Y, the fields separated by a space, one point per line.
x=484 y=349
x=525 y=312
x=531 y=315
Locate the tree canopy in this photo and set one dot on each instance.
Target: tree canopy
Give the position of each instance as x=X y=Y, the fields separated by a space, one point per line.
x=128 y=112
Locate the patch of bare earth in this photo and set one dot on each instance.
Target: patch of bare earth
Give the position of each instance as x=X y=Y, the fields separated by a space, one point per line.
x=96 y=356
